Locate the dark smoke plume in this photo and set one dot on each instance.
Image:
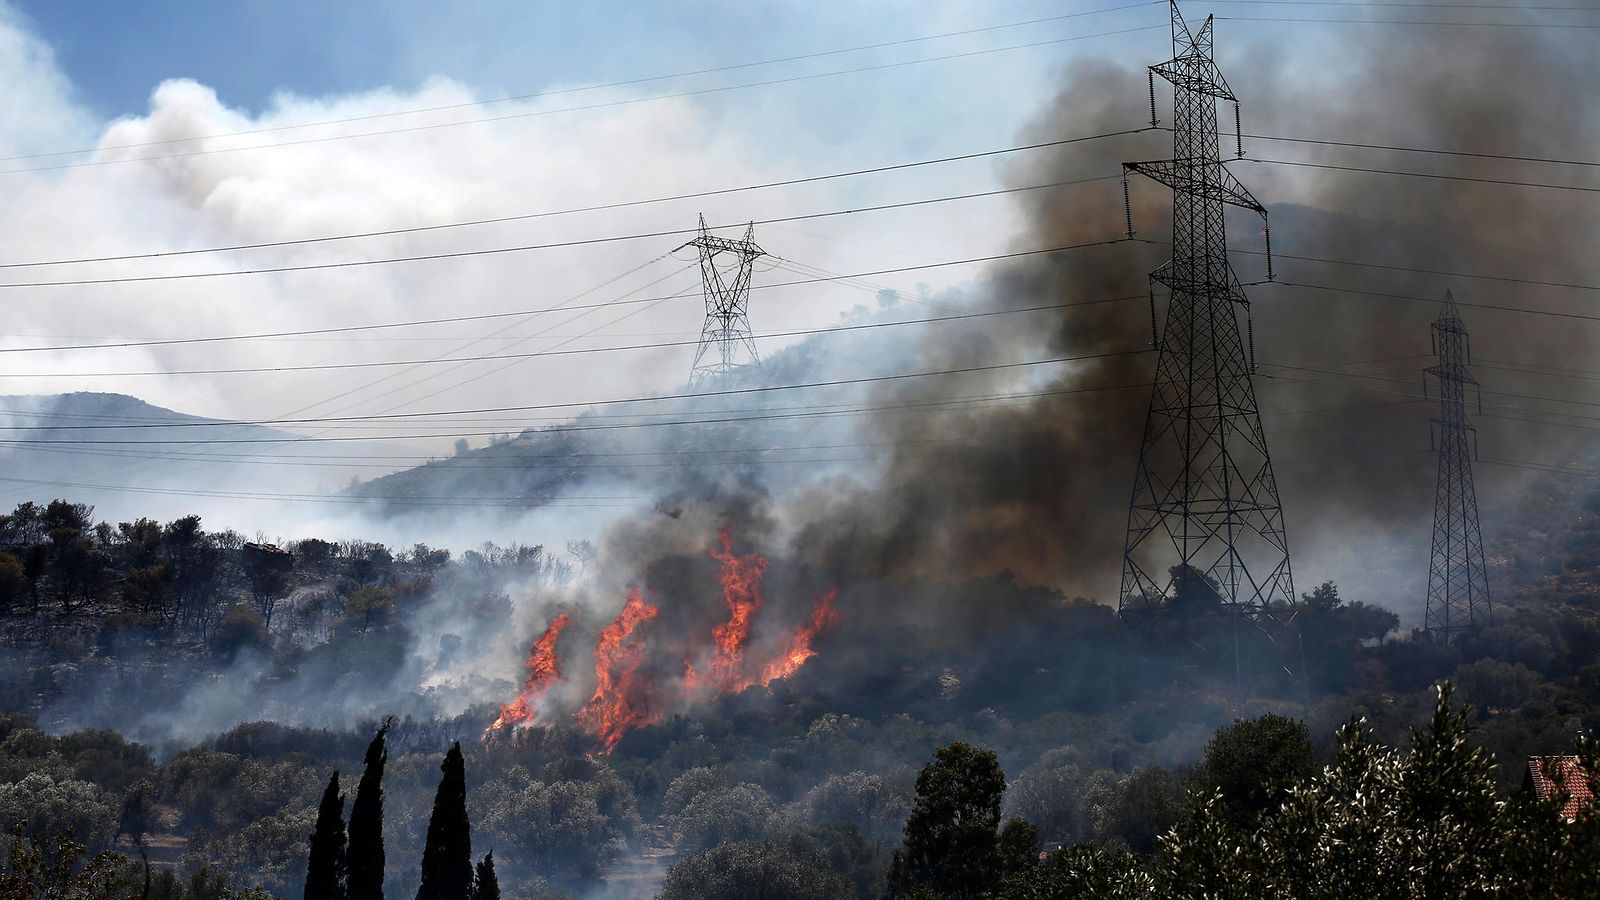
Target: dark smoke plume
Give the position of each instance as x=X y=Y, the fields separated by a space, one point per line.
x=1037 y=486
x=1040 y=488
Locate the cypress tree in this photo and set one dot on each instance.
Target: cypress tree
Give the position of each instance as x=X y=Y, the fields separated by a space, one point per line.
x=325 y=866
x=488 y=886
x=365 y=857
x=447 y=857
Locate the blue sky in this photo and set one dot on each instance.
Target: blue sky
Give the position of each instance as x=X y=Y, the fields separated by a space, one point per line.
x=117 y=52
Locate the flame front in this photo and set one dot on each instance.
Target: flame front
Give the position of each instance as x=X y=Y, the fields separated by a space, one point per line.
x=823 y=616
x=626 y=697
x=544 y=670
x=741 y=578
x=619 y=701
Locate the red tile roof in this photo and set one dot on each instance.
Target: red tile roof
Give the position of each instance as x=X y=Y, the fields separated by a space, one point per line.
x=1553 y=774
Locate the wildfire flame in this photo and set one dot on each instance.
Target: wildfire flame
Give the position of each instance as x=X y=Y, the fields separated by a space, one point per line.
x=624 y=698
x=619 y=703
x=799 y=649
x=544 y=670
x=741 y=578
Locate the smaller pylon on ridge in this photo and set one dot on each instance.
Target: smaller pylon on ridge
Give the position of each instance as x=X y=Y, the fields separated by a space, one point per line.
x=726 y=344
x=1458 y=583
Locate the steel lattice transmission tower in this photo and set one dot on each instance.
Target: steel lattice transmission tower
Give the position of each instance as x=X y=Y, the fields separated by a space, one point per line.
x=1205 y=522
x=726 y=346
x=1458 y=583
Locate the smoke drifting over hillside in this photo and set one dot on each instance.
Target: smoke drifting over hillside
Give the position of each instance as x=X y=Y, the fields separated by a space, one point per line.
x=1025 y=472
x=1033 y=480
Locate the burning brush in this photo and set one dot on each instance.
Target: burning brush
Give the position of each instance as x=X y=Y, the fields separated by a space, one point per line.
x=628 y=696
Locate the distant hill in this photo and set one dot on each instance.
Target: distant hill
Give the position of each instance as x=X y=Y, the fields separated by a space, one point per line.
x=121 y=453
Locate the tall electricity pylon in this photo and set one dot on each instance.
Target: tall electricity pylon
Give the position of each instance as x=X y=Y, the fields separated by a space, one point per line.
x=726 y=337
x=1205 y=526
x=1458 y=583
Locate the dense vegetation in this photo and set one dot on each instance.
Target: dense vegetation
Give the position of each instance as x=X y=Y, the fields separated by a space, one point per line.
x=1062 y=728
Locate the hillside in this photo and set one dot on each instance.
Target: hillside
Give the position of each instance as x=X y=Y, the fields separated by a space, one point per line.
x=128 y=458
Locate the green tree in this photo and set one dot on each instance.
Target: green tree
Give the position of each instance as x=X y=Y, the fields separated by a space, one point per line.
x=1249 y=762
x=368 y=609
x=1135 y=809
x=1491 y=684
x=365 y=856
x=1082 y=872
x=241 y=629
x=743 y=812
x=35 y=562
x=325 y=865
x=447 y=856
x=12 y=580
x=950 y=844
x=555 y=829
x=869 y=802
x=742 y=870
x=486 y=886
x=46 y=806
x=54 y=869
x=1379 y=822
x=145 y=590
x=1054 y=799
x=1017 y=847
x=268 y=850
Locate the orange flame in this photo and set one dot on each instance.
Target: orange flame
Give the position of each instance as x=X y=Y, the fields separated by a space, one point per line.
x=741 y=590
x=544 y=670
x=799 y=649
x=623 y=700
x=617 y=705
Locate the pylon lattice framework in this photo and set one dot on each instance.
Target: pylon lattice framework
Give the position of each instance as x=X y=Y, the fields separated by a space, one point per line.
x=726 y=346
x=1205 y=521
x=1458 y=584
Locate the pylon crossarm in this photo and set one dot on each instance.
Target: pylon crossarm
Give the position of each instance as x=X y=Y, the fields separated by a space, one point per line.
x=724 y=245
x=1177 y=279
x=1216 y=182
x=1197 y=75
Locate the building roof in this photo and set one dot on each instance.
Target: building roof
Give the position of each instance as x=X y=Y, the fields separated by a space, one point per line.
x=1551 y=775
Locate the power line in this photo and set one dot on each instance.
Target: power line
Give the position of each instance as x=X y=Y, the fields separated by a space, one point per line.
x=1414 y=397
x=156 y=342
x=751 y=187
x=613 y=501
x=437 y=360
x=1403 y=22
x=1428 y=150
x=554 y=500
x=1421 y=271
x=493 y=251
x=372 y=461
x=1384 y=3
x=844 y=278
x=605 y=105
x=1526 y=369
x=1432 y=175
x=1385 y=378
x=1414 y=299
x=624 y=204
x=539 y=95
x=357 y=420
x=790 y=182
x=1541 y=467
x=764 y=389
